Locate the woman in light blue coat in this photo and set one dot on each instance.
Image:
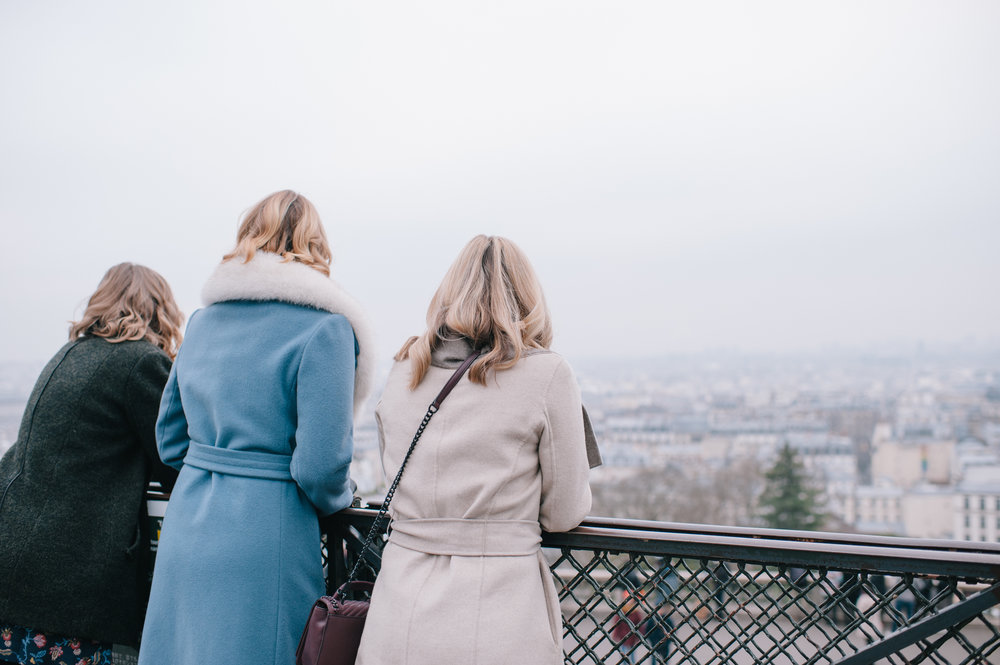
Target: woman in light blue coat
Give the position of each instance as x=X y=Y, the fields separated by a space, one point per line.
x=257 y=415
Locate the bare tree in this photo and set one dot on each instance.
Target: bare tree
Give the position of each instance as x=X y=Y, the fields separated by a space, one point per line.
x=712 y=496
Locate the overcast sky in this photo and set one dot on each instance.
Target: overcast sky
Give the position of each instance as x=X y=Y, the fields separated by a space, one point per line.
x=764 y=176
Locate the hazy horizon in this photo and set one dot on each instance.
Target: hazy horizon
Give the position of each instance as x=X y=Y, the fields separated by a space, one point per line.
x=774 y=177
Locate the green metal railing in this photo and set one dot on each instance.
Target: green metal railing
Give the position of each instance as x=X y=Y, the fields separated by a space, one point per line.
x=653 y=592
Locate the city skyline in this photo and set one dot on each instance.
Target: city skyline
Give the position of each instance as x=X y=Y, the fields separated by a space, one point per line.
x=766 y=178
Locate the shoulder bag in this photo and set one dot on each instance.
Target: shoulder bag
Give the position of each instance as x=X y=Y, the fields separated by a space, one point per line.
x=333 y=632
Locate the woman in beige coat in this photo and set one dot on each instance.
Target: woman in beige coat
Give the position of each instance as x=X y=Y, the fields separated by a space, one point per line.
x=463 y=579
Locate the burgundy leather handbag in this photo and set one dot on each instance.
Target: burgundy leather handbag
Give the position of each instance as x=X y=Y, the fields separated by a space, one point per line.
x=333 y=632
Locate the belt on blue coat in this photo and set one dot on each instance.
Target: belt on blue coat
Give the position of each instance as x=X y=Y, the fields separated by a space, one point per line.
x=250 y=464
x=467 y=537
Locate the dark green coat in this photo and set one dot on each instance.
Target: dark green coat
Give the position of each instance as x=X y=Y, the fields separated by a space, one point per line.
x=74 y=547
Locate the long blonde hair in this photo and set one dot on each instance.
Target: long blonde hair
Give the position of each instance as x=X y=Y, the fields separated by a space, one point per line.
x=284 y=223
x=490 y=296
x=132 y=302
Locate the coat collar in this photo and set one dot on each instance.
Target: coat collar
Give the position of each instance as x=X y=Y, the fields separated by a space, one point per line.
x=268 y=277
x=451 y=353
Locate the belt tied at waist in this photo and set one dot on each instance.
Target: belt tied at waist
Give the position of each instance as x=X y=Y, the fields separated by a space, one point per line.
x=467 y=537
x=270 y=466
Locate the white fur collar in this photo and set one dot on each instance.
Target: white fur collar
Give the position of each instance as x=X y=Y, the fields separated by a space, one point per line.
x=267 y=277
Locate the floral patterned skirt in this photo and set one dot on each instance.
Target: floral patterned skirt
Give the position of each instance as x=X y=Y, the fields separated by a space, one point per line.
x=25 y=646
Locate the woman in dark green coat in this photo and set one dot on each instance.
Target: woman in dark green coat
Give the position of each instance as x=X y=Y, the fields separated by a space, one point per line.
x=74 y=548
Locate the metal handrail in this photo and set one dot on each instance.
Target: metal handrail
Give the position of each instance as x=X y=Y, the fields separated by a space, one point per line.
x=864 y=552
x=801 y=536
x=891 y=555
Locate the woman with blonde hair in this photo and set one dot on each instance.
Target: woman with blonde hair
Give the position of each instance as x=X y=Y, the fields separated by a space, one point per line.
x=463 y=579
x=74 y=544
x=257 y=416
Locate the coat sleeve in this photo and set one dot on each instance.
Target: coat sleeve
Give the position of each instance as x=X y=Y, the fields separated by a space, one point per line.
x=171 y=425
x=324 y=433
x=144 y=390
x=562 y=455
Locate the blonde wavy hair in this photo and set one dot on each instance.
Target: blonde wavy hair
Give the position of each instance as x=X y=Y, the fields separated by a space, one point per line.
x=284 y=223
x=490 y=296
x=132 y=302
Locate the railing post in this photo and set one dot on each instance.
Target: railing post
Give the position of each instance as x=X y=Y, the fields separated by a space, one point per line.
x=954 y=617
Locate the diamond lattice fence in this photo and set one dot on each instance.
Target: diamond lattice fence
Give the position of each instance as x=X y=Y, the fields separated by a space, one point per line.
x=632 y=595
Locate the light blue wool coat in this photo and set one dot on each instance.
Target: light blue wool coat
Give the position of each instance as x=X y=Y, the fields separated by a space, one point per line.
x=257 y=415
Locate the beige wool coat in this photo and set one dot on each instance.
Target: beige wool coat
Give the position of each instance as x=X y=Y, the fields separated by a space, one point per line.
x=463 y=579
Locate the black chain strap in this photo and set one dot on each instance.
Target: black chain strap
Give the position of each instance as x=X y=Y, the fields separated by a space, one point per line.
x=431 y=410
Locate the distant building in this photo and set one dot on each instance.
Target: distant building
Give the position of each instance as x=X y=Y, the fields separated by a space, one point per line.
x=977 y=515
x=965 y=507
x=928 y=512
x=977 y=499
x=876 y=509
x=908 y=462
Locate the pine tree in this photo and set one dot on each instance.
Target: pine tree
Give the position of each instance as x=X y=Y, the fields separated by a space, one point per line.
x=790 y=500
